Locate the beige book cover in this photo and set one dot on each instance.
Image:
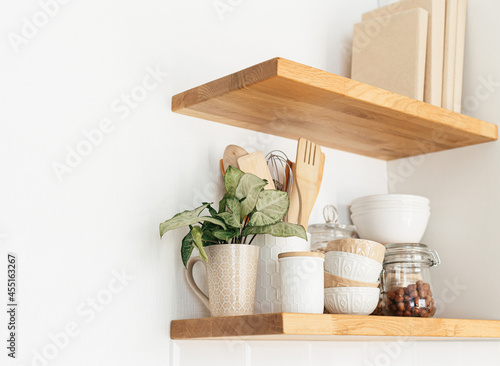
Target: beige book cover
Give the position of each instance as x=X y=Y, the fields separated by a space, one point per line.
x=435 y=41
x=450 y=54
x=459 y=66
x=389 y=52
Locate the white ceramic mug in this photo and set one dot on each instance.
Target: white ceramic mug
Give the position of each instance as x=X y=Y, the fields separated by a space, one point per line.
x=231 y=275
x=302 y=282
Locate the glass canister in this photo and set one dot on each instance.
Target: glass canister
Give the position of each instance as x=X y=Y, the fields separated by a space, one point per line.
x=406 y=280
x=321 y=234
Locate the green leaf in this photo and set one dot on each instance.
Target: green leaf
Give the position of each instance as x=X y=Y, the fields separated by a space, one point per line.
x=222 y=203
x=182 y=219
x=235 y=206
x=187 y=248
x=281 y=229
x=271 y=207
x=197 y=235
x=232 y=177
x=248 y=191
x=225 y=235
x=213 y=213
x=230 y=219
x=212 y=220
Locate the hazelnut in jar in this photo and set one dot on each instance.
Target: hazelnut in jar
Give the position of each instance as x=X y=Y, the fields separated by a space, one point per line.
x=406 y=280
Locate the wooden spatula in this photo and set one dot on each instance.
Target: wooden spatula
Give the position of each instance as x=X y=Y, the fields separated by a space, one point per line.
x=231 y=155
x=255 y=163
x=307 y=170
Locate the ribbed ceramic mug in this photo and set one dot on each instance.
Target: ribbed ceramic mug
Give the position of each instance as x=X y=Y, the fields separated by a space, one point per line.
x=268 y=296
x=231 y=275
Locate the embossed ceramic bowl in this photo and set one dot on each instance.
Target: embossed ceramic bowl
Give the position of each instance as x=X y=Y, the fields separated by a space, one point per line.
x=366 y=248
x=351 y=300
x=352 y=266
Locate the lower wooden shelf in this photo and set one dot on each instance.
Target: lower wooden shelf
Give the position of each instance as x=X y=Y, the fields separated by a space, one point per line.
x=327 y=327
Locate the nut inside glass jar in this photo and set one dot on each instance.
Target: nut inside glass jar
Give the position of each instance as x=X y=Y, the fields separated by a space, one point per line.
x=407 y=291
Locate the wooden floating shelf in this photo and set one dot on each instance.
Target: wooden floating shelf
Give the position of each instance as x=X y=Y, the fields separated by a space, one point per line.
x=288 y=99
x=327 y=327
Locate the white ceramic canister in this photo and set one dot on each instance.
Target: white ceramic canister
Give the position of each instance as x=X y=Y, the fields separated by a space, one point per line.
x=268 y=292
x=302 y=282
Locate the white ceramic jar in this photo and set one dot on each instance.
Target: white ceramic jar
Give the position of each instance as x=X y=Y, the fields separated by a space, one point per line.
x=268 y=294
x=302 y=282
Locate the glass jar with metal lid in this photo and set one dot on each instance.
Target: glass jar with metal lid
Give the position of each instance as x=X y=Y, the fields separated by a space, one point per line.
x=406 y=280
x=321 y=234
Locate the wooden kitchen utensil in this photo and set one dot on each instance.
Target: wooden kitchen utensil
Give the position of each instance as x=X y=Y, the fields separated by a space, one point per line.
x=294 y=209
x=320 y=176
x=255 y=163
x=231 y=155
x=222 y=167
x=307 y=170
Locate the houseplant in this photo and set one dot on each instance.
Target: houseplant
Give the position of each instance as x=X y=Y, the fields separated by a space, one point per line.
x=245 y=210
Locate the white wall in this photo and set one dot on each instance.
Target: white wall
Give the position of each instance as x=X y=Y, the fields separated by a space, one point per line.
x=95 y=230
x=464 y=184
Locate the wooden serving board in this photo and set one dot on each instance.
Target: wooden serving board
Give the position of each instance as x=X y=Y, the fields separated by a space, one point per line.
x=435 y=41
x=450 y=54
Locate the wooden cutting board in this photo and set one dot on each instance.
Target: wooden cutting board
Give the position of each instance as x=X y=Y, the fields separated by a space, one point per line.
x=450 y=54
x=435 y=41
x=459 y=65
x=389 y=52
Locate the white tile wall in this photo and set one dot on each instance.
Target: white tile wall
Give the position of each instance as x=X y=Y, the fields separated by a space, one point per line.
x=299 y=353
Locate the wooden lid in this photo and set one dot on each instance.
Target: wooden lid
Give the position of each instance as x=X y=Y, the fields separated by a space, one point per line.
x=301 y=254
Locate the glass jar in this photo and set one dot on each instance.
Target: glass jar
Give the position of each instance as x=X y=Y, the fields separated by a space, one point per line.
x=321 y=234
x=406 y=280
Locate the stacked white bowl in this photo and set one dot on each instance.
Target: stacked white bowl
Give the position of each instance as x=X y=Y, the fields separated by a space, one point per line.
x=352 y=267
x=391 y=218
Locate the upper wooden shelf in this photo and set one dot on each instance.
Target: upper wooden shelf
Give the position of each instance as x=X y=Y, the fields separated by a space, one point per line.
x=283 y=326
x=288 y=99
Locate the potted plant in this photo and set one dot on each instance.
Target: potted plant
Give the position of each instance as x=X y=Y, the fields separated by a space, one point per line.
x=224 y=237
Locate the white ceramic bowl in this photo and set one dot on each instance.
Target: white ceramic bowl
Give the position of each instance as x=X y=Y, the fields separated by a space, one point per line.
x=392 y=198
x=374 y=205
x=391 y=226
x=389 y=209
x=352 y=266
x=351 y=300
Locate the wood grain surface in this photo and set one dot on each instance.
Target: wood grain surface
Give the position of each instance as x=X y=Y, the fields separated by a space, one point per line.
x=330 y=327
x=288 y=99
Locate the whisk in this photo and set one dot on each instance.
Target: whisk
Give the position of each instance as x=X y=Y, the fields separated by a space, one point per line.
x=281 y=170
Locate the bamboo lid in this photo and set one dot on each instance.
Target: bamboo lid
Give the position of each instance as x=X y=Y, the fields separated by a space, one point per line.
x=301 y=254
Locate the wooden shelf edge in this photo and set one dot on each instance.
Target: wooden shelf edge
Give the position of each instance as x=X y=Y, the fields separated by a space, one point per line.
x=331 y=110
x=283 y=326
x=349 y=89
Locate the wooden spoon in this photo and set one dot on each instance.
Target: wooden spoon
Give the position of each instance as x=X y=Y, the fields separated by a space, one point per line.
x=231 y=155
